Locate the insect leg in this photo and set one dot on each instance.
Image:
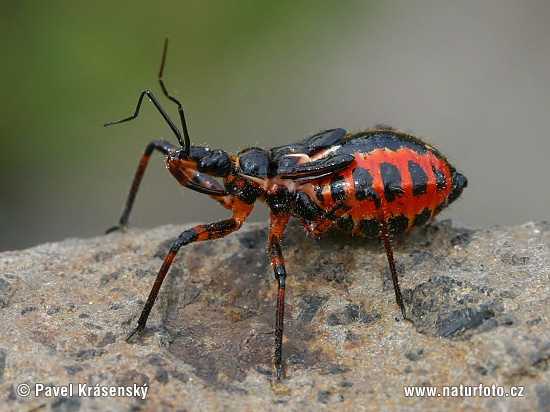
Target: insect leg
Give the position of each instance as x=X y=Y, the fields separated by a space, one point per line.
x=323 y=223
x=320 y=226
x=196 y=234
x=162 y=146
x=373 y=195
x=212 y=184
x=389 y=253
x=201 y=183
x=278 y=224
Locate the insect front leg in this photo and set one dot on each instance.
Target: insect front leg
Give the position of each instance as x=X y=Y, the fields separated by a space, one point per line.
x=196 y=234
x=162 y=146
x=278 y=224
x=201 y=182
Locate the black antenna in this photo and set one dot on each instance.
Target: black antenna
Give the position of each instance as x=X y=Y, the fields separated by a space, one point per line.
x=187 y=141
x=184 y=140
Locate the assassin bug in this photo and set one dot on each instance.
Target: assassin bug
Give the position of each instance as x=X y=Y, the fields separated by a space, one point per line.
x=375 y=183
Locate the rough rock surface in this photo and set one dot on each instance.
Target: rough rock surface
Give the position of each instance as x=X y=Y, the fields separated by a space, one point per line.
x=479 y=303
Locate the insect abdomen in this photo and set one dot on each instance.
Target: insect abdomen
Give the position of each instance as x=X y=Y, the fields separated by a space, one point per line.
x=413 y=181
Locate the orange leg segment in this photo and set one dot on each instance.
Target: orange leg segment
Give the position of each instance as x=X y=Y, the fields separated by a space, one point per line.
x=278 y=224
x=196 y=234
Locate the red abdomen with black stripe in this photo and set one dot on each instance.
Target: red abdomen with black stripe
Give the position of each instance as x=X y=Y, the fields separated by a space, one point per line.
x=413 y=181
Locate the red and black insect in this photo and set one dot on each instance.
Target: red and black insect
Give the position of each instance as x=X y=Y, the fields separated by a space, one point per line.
x=375 y=183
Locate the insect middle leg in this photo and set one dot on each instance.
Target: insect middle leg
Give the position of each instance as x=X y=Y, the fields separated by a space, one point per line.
x=198 y=233
x=278 y=224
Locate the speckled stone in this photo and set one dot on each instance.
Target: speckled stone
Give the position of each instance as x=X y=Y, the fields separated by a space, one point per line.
x=478 y=302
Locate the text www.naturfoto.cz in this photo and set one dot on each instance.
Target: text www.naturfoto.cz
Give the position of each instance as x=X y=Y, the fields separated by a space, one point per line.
x=463 y=391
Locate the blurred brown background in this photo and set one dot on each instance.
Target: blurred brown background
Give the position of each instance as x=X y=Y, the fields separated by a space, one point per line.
x=472 y=77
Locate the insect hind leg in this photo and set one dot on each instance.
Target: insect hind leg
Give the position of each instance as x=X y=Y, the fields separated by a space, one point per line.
x=330 y=217
x=391 y=261
x=319 y=226
x=370 y=193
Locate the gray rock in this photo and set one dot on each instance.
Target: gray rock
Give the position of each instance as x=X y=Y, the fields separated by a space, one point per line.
x=478 y=301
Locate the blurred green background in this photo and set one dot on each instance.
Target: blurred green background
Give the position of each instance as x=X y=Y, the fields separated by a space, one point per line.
x=472 y=77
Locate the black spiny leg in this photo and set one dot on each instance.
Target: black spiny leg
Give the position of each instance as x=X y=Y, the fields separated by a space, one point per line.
x=278 y=224
x=163 y=147
x=196 y=234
